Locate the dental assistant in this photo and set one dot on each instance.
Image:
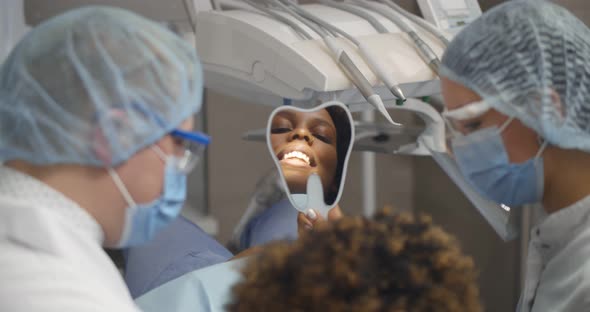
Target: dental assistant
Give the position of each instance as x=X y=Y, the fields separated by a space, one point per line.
x=96 y=140
x=516 y=85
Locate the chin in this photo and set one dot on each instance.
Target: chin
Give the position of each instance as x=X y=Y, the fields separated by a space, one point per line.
x=296 y=181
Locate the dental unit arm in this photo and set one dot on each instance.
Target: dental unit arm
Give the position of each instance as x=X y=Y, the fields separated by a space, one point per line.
x=254 y=56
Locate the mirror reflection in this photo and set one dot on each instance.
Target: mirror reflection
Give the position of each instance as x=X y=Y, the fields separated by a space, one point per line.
x=306 y=142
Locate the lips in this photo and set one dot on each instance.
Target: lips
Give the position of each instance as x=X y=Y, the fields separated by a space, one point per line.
x=297 y=156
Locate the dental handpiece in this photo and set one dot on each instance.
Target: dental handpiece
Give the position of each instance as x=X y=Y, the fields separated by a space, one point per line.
x=366 y=53
x=430 y=57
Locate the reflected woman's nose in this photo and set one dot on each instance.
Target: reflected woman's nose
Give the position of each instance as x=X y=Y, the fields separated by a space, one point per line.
x=301 y=134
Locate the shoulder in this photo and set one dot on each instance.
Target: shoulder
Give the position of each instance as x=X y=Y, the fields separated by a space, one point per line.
x=208 y=289
x=33 y=281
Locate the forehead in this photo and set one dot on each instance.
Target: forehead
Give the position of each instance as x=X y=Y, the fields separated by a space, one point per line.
x=297 y=116
x=457 y=95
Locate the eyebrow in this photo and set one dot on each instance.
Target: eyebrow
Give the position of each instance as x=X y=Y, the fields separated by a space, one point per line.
x=285 y=113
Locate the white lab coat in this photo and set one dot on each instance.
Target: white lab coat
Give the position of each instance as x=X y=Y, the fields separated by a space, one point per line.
x=50 y=253
x=558 y=263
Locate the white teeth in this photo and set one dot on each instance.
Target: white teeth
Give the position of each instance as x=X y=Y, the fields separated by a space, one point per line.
x=298 y=155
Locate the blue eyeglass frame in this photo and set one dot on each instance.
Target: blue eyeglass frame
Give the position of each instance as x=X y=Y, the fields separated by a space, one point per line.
x=192 y=136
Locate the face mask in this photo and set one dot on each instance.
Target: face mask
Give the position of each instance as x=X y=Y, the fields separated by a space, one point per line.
x=143 y=221
x=482 y=159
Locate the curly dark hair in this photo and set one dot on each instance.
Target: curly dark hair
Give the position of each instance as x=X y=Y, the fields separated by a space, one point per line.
x=391 y=263
x=343 y=134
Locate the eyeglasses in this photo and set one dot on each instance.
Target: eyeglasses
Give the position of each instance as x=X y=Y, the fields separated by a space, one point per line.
x=194 y=144
x=469 y=111
x=454 y=120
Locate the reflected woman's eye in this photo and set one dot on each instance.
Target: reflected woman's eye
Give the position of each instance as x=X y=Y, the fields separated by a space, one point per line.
x=280 y=130
x=324 y=135
x=323 y=138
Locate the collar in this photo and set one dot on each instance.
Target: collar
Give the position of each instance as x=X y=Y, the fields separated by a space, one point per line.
x=26 y=189
x=559 y=228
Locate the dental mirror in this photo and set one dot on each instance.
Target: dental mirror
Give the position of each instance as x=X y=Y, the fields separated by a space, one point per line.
x=311 y=148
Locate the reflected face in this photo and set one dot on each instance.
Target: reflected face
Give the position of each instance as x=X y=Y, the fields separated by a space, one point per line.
x=305 y=143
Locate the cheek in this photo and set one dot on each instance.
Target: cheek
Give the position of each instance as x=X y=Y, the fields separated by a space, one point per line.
x=277 y=141
x=149 y=187
x=144 y=179
x=521 y=142
x=328 y=160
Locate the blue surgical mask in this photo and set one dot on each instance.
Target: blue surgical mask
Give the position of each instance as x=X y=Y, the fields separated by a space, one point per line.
x=482 y=158
x=143 y=221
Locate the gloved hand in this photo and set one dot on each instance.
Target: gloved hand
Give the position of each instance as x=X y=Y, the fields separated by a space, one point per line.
x=307 y=221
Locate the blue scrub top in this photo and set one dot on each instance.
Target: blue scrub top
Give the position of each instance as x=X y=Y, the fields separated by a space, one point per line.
x=203 y=290
x=180 y=248
x=278 y=222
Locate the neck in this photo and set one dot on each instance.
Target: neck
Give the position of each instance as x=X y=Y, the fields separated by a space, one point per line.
x=89 y=187
x=567 y=173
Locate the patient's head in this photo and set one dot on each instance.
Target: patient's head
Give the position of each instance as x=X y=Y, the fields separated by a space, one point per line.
x=312 y=142
x=390 y=263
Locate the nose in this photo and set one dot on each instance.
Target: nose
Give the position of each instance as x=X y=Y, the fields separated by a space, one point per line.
x=301 y=134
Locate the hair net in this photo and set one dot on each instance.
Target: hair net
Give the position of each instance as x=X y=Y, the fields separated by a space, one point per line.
x=531 y=60
x=94 y=86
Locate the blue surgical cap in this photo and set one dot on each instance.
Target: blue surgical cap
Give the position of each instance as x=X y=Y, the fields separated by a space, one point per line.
x=94 y=86
x=529 y=59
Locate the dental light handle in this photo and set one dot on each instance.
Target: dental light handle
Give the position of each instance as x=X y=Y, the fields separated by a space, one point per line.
x=384 y=75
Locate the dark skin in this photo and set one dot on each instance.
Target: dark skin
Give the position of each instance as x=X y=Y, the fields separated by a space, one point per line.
x=313 y=134
x=566 y=170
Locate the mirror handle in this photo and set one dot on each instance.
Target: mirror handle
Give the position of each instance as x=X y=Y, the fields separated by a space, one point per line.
x=315 y=195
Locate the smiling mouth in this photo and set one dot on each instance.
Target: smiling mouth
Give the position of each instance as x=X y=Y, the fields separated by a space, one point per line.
x=297 y=159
